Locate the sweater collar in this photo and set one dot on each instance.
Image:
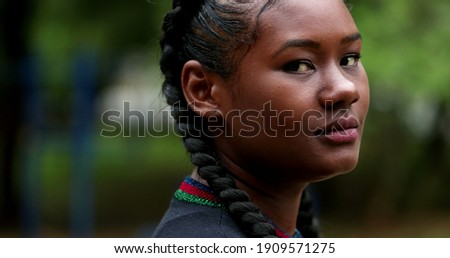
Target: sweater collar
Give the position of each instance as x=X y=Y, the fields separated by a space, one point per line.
x=193 y=191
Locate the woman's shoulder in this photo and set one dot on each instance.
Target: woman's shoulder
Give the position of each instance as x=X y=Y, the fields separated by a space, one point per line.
x=190 y=220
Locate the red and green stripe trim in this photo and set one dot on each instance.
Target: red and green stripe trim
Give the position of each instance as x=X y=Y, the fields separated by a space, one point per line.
x=195 y=192
x=281 y=234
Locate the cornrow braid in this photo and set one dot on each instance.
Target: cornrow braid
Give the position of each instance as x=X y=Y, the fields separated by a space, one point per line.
x=208 y=31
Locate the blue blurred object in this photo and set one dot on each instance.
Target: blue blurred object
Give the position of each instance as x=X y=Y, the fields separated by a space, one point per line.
x=30 y=176
x=82 y=194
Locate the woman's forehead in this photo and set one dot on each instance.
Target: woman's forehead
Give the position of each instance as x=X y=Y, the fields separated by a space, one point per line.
x=306 y=19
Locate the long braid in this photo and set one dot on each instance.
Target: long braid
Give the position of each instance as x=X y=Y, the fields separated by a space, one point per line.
x=180 y=44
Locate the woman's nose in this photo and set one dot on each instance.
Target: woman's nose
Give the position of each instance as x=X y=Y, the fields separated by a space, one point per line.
x=339 y=89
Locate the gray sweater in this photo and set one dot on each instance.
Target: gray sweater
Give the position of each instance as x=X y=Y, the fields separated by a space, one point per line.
x=190 y=220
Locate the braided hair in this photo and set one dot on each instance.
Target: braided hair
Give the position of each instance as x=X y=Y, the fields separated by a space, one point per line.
x=210 y=31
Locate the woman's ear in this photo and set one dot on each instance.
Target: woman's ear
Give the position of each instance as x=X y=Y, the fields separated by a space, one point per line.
x=202 y=89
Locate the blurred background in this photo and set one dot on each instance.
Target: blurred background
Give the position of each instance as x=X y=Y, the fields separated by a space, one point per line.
x=65 y=65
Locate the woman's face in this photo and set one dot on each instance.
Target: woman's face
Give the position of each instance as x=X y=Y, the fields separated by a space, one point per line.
x=300 y=95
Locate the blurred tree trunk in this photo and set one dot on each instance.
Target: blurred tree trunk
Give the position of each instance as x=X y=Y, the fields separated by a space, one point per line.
x=14 y=15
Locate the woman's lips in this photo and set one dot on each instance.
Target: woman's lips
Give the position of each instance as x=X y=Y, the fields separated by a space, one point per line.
x=343 y=130
x=346 y=136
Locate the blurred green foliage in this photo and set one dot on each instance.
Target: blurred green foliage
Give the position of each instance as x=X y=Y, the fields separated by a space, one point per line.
x=406 y=44
x=110 y=29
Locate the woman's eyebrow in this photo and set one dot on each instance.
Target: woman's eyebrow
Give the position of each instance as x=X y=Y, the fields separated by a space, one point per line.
x=351 y=38
x=307 y=43
x=303 y=43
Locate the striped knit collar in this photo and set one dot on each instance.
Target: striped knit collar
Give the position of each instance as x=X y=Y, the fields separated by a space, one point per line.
x=195 y=192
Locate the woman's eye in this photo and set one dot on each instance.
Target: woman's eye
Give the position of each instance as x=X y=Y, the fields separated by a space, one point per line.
x=300 y=67
x=350 y=60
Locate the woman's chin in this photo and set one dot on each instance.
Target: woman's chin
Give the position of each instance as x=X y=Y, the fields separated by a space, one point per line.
x=337 y=167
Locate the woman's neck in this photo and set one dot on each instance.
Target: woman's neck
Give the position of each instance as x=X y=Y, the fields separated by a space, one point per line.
x=278 y=198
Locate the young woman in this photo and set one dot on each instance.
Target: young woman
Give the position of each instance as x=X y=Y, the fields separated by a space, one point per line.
x=270 y=96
